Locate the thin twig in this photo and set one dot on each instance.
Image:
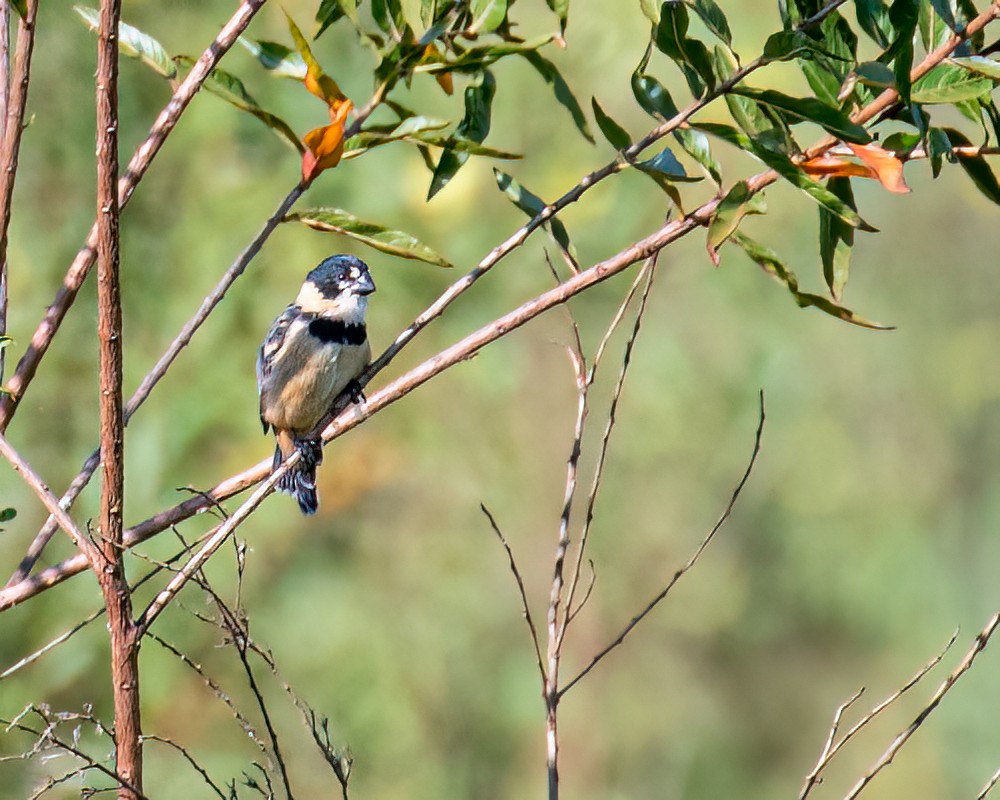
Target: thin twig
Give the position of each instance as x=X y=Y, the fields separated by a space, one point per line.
x=824 y=757
x=982 y=639
x=461 y=351
x=137 y=167
x=993 y=781
x=525 y=610
x=831 y=748
x=150 y=737
x=14 y=100
x=684 y=569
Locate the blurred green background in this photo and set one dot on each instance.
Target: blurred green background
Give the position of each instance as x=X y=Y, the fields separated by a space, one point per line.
x=866 y=536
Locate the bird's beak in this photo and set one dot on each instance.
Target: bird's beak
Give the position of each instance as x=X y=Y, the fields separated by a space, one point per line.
x=364 y=285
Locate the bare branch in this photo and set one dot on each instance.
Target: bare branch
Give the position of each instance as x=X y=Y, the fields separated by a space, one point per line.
x=149 y=737
x=982 y=639
x=989 y=785
x=683 y=570
x=14 y=101
x=520 y=588
x=831 y=749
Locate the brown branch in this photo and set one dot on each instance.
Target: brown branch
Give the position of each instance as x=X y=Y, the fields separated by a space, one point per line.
x=187 y=757
x=183 y=338
x=982 y=639
x=111 y=575
x=684 y=569
x=832 y=747
x=464 y=349
x=14 y=100
x=993 y=781
x=137 y=167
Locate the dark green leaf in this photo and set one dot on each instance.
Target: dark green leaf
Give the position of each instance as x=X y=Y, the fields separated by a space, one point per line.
x=5 y=341
x=396 y=243
x=831 y=119
x=533 y=205
x=947 y=10
x=836 y=238
x=713 y=18
x=664 y=166
x=873 y=17
x=934 y=29
x=283 y=62
x=474 y=126
x=976 y=167
x=746 y=112
x=613 y=132
x=653 y=97
x=562 y=91
x=134 y=43
x=831 y=59
x=332 y=10
x=738 y=202
x=487 y=15
x=939 y=148
x=689 y=54
x=475 y=58
x=947 y=83
x=969 y=12
x=904 y=15
x=21 y=7
x=7 y=514
x=561 y=9
x=772 y=264
x=389 y=16
x=727 y=133
x=798 y=178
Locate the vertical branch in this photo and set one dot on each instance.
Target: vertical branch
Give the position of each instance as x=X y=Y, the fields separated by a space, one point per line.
x=117 y=598
x=13 y=96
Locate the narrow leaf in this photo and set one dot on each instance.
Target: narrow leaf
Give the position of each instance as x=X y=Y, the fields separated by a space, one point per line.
x=831 y=119
x=330 y=11
x=737 y=203
x=613 y=132
x=904 y=15
x=713 y=18
x=134 y=43
x=836 y=238
x=696 y=145
x=563 y=93
x=976 y=167
x=385 y=240
x=281 y=61
x=561 y=9
x=475 y=125
x=772 y=264
x=532 y=205
x=939 y=148
x=487 y=15
x=873 y=17
x=947 y=83
x=980 y=65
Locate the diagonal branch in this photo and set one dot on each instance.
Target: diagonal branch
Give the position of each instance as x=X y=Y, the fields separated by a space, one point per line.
x=137 y=167
x=461 y=351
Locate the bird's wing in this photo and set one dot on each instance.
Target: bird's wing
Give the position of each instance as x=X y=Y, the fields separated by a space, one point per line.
x=270 y=348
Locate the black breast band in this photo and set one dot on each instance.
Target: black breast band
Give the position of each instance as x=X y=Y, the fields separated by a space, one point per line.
x=336 y=331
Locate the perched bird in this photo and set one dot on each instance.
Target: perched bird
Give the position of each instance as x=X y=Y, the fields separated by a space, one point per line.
x=315 y=349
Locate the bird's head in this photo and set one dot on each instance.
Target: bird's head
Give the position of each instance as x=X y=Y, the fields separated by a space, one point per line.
x=341 y=275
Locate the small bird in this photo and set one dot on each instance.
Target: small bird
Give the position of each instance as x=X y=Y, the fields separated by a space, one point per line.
x=314 y=351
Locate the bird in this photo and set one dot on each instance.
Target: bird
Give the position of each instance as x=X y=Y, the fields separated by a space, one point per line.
x=315 y=349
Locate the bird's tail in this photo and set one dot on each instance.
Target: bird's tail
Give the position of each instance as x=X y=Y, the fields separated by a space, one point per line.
x=300 y=480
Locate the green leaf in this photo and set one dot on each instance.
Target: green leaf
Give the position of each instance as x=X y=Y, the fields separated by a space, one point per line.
x=738 y=202
x=653 y=97
x=976 y=167
x=475 y=58
x=689 y=54
x=21 y=7
x=562 y=91
x=651 y=8
x=947 y=83
x=727 y=133
x=330 y=11
x=696 y=145
x=7 y=514
x=533 y=205
x=134 y=43
x=980 y=65
x=831 y=59
x=904 y=15
x=487 y=15
x=746 y=112
x=772 y=264
x=281 y=61
x=713 y=18
x=873 y=17
x=5 y=341
x=389 y=16
x=876 y=74
x=798 y=178
x=474 y=126
x=385 y=240
x=939 y=148
x=836 y=238
x=231 y=89
x=561 y=9
x=664 y=166
x=832 y=120
x=613 y=132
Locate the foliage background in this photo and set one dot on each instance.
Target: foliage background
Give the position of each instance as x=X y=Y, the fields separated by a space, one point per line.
x=866 y=535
